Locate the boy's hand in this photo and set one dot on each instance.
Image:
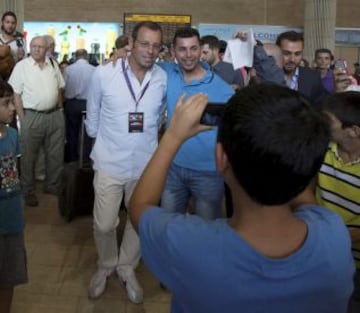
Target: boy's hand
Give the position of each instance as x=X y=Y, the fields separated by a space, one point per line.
x=185 y=121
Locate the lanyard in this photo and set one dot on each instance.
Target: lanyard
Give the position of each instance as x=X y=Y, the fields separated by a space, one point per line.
x=128 y=83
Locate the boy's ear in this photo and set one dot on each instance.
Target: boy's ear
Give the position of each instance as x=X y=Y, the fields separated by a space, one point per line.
x=354 y=131
x=222 y=162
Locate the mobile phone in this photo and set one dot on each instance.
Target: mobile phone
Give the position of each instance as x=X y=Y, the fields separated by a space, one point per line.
x=341 y=66
x=212 y=114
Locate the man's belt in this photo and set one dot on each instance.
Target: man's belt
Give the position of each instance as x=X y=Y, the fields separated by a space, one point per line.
x=74 y=99
x=42 y=112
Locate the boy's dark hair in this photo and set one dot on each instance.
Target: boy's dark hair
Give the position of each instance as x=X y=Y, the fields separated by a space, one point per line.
x=275 y=142
x=291 y=36
x=186 y=32
x=210 y=40
x=5 y=89
x=345 y=106
x=146 y=24
x=324 y=50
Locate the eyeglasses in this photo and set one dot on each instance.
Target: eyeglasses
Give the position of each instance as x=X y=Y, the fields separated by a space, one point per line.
x=146 y=45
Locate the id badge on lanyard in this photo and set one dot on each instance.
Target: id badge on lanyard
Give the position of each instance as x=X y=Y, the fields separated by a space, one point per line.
x=135 y=119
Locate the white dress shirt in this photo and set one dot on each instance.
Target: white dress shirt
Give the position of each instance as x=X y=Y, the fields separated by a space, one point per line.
x=117 y=152
x=38 y=87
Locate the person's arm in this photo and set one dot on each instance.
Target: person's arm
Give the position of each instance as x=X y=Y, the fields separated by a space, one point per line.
x=184 y=124
x=238 y=81
x=19 y=106
x=61 y=86
x=93 y=104
x=16 y=81
x=60 y=104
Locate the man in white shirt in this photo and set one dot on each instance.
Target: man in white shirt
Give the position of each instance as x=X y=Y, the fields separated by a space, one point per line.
x=125 y=105
x=38 y=101
x=77 y=80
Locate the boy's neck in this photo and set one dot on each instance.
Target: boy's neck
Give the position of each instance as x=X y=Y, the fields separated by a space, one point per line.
x=272 y=230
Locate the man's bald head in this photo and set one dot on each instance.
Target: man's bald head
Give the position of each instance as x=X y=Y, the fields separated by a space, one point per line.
x=38 y=47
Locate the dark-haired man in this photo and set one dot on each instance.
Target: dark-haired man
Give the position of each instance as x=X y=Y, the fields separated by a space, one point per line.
x=125 y=105
x=210 y=47
x=303 y=79
x=9 y=36
x=267 y=257
x=323 y=60
x=193 y=172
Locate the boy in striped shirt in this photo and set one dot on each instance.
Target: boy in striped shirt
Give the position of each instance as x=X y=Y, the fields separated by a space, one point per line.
x=338 y=185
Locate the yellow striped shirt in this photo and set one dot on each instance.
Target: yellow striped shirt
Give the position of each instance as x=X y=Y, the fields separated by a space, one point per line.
x=339 y=190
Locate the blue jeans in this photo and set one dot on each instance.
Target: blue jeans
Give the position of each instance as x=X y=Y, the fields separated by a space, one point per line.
x=205 y=187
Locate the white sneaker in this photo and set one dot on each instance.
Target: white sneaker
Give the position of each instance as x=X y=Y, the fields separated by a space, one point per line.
x=98 y=283
x=134 y=291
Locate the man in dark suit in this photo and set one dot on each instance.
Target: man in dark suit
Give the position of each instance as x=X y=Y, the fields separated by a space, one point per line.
x=303 y=79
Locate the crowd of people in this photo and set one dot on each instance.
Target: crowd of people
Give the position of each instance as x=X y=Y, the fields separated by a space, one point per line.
x=285 y=155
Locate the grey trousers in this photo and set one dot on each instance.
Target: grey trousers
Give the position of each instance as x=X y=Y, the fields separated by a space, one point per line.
x=47 y=131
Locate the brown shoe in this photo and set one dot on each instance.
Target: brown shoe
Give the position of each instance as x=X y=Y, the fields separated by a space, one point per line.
x=31 y=200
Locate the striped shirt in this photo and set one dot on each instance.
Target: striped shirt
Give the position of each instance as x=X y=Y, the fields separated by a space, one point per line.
x=339 y=190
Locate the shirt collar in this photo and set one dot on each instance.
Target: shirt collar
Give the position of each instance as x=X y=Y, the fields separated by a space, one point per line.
x=33 y=62
x=127 y=66
x=207 y=78
x=334 y=148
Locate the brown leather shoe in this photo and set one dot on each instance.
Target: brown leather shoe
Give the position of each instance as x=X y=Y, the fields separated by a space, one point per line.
x=31 y=200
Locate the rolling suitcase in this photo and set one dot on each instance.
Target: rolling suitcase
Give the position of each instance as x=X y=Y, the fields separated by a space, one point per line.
x=77 y=192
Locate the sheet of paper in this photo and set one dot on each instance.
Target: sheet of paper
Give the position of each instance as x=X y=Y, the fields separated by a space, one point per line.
x=240 y=53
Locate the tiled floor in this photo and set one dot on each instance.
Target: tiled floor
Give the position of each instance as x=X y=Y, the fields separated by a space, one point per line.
x=61 y=260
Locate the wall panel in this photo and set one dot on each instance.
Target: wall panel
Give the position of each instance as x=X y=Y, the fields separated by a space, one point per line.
x=205 y=11
x=271 y=12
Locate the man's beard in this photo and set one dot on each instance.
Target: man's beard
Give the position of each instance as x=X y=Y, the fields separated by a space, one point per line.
x=7 y=32
x=290 y=69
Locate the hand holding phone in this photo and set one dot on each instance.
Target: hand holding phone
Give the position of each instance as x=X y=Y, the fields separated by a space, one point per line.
x=212 y=114
x=341 y=66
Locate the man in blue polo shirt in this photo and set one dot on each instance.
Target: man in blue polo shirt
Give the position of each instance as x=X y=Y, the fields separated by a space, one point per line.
x=193 y=173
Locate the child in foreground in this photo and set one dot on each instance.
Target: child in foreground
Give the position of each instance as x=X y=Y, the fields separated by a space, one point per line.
x=13 y=269
x=267 y=257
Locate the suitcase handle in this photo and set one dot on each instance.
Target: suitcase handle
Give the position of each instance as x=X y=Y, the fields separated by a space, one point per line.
x=82 y=139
